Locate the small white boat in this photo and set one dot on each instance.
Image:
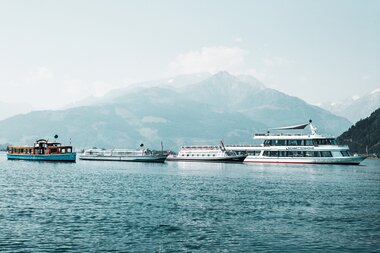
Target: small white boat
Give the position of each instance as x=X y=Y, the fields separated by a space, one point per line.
x=206 y=154
x=298 y=148
x=124 y=155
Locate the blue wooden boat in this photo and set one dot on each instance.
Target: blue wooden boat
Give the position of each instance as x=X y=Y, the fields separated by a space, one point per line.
x=42 y=150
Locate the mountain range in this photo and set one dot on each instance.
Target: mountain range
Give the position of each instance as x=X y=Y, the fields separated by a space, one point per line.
x=355 y=108
x=200 y=110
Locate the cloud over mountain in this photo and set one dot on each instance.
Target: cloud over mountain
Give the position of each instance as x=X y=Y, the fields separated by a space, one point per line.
x=209 y=59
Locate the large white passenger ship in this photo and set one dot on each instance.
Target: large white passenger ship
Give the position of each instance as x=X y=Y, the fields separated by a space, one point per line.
x=206 y=154
x=124 y=155
x=297 y=148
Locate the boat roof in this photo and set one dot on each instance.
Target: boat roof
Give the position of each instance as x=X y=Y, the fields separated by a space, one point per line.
x=294 y=127
x=270 y=136
x=295 y=136
x=26 y=146
x=200 y=147
x=113 y=150
x=20 y=146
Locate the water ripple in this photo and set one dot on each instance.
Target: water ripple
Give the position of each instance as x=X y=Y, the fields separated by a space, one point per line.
x=123 y=207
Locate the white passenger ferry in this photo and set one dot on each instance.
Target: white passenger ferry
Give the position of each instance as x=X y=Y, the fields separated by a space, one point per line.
x=297 y=148
x=124 y=155
x=206 y=154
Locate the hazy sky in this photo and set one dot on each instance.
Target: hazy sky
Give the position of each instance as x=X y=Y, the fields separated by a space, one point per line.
x=56 y=52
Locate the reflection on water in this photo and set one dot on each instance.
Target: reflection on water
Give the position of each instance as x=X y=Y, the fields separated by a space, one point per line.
x=179 y=206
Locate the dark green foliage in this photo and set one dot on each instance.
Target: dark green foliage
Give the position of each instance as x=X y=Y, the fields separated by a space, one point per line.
x=364 y=135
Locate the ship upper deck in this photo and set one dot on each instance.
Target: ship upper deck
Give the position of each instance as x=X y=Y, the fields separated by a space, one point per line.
x=285 y=136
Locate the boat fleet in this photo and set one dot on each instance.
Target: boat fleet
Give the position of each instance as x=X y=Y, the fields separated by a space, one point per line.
x=277 y=147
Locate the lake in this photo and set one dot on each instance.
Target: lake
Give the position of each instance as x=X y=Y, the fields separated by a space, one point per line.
x=188 y=207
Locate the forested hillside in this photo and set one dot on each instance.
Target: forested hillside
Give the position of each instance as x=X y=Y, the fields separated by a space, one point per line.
x=364 y=136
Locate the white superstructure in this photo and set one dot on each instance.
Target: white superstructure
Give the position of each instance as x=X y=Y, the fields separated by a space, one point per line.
x=127 y=155
x=296 y=148
x=206 y=154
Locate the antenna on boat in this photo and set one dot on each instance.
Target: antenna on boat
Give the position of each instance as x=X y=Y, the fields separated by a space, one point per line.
x=312 y=128
x=223 y=147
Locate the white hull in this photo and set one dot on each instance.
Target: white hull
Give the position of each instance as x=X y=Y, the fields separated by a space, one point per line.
x=124 y=158
x=352 y=160
x=237 y=158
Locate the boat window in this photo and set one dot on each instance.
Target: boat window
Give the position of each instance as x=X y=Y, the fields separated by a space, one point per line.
x=267 y=143
x=345 y=153
x=295 y=153
x=273 y=153
x=321 y=141
x=309 y=153
x=266 y=153
x=187 y=155
x=308 y=143
x=278 y=142
x=331 y=141
x=326 y=154
x=294 y=142
x=213 y=154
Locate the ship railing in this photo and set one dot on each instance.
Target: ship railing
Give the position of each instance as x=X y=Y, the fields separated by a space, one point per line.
x=200 y=147
x=242 y=146
x=282 y=134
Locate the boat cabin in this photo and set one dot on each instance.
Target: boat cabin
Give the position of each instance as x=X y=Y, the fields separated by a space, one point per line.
x=204 y=151
x=299 y=142
x=40 y=147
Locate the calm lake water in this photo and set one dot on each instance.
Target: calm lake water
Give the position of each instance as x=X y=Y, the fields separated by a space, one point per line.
x=192 y=207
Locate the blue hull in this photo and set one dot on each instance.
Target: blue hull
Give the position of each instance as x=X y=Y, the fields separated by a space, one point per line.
x=69 y=157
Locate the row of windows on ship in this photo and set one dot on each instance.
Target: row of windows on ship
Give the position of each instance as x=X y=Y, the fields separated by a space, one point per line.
x=309 y=142
x=41 y=151
x=228 y=152
x=295 y=153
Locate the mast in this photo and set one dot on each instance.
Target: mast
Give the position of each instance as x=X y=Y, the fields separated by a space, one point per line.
x=223 y=147
x=313 y=129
